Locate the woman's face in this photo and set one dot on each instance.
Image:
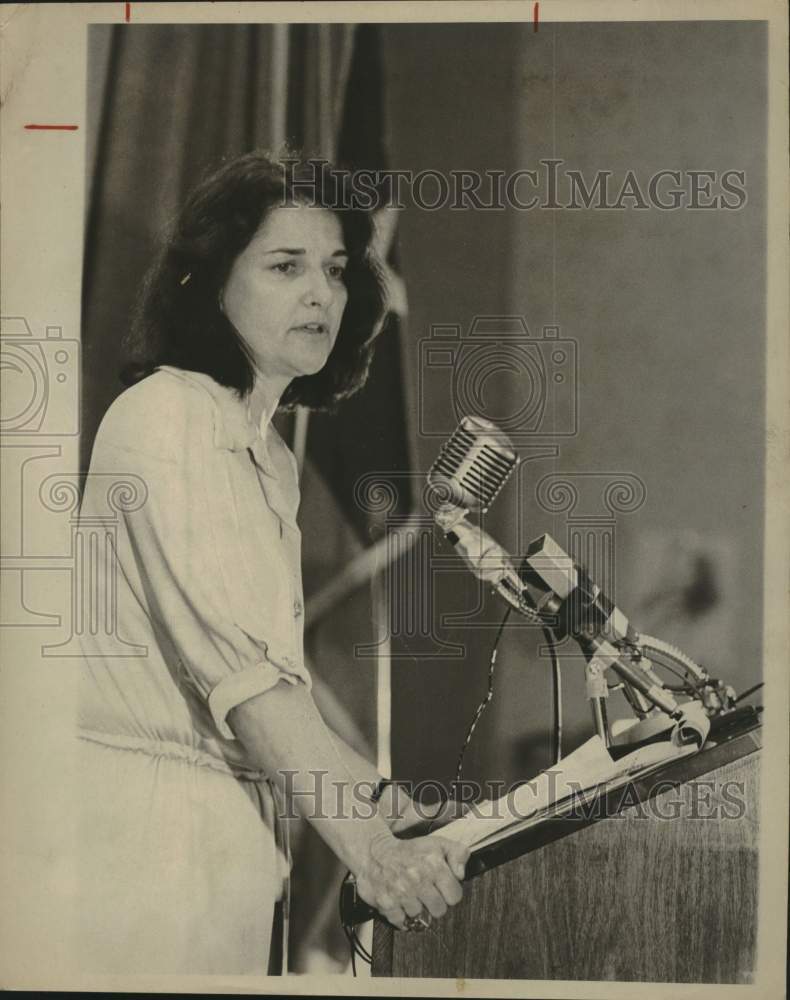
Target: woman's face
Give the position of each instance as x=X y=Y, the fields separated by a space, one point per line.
x=286 y=293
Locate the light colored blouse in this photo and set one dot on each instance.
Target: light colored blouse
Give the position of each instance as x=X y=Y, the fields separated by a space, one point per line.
x=208 y=565
x=206 y=579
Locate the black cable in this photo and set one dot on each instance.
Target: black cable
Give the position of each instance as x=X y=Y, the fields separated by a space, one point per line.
x=484 y=703
x=556 y=696
x=556 y=677
x=356 y=949
x=355 y=945
x=362 y=951
x=353 y=954
x=344 y=925
x=749 y=691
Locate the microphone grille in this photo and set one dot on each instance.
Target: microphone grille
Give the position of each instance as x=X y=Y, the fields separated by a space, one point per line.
x=475 y=463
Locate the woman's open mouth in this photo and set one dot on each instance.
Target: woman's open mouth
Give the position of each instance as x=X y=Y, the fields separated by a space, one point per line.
x=312 y=328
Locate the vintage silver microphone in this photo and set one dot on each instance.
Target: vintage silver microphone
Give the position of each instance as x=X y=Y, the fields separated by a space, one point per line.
x=473 y=465
x=549 y=587
x=469 y=472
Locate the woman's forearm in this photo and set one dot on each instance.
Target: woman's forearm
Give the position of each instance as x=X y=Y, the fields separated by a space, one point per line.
x=326 y=781
x=285 y=735
x=395 y=805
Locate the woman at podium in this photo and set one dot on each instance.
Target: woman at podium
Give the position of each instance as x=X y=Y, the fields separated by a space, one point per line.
x=266 y=296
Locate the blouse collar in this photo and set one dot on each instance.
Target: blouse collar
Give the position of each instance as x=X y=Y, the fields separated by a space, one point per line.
x=234 y=429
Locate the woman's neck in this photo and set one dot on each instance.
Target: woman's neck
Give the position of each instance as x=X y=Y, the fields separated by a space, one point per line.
x=264 y=398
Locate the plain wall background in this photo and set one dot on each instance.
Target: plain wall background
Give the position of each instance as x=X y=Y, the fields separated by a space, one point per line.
x=667 y=309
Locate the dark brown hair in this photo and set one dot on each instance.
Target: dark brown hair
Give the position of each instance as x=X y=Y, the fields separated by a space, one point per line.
x=178 y=320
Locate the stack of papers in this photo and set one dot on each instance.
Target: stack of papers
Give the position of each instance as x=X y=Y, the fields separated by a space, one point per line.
x=588 y=770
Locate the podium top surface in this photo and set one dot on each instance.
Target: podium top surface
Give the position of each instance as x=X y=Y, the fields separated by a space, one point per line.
x=726 y=744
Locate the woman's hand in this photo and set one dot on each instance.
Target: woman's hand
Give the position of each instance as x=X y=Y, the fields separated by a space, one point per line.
x=407 y=817
x=417 y=818
x=403 y=877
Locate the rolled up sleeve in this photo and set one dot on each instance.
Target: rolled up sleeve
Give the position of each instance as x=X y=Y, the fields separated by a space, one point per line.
x=239 y=687
x=178 y=551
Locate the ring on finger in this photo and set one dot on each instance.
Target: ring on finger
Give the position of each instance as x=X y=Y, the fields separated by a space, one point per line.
x=417 y=924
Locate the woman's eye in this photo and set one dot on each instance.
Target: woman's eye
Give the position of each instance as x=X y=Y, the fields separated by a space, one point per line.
x=336 y=271
x=284 y=266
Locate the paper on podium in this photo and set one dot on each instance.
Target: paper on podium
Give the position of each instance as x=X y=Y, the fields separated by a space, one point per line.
x=585 y=769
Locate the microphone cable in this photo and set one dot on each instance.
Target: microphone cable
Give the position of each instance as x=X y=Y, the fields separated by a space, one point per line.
x=556 y=692
x=356 y=948
x=556 y=677
x=484 y=703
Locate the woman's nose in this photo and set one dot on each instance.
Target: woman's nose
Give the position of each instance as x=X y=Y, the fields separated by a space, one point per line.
x=319 y=291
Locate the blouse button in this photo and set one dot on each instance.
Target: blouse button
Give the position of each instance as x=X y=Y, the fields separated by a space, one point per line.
x=297 y=608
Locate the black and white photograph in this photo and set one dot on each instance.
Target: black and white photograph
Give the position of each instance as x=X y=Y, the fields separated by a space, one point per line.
x=395 y=498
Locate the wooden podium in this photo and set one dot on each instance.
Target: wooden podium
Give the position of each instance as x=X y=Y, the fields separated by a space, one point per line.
x=657 y=883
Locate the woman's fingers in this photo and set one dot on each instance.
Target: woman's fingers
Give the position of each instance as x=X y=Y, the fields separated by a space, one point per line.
x=449 y=886
x=443 y=866
x=456 y=854
x=433 y=901
x=412 y=905
x=397 y=897
x=444 y=879
x=412 y=877
x=396 y=917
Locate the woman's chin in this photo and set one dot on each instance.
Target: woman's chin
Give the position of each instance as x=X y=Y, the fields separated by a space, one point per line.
x=311 y=361
x=313 y=367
